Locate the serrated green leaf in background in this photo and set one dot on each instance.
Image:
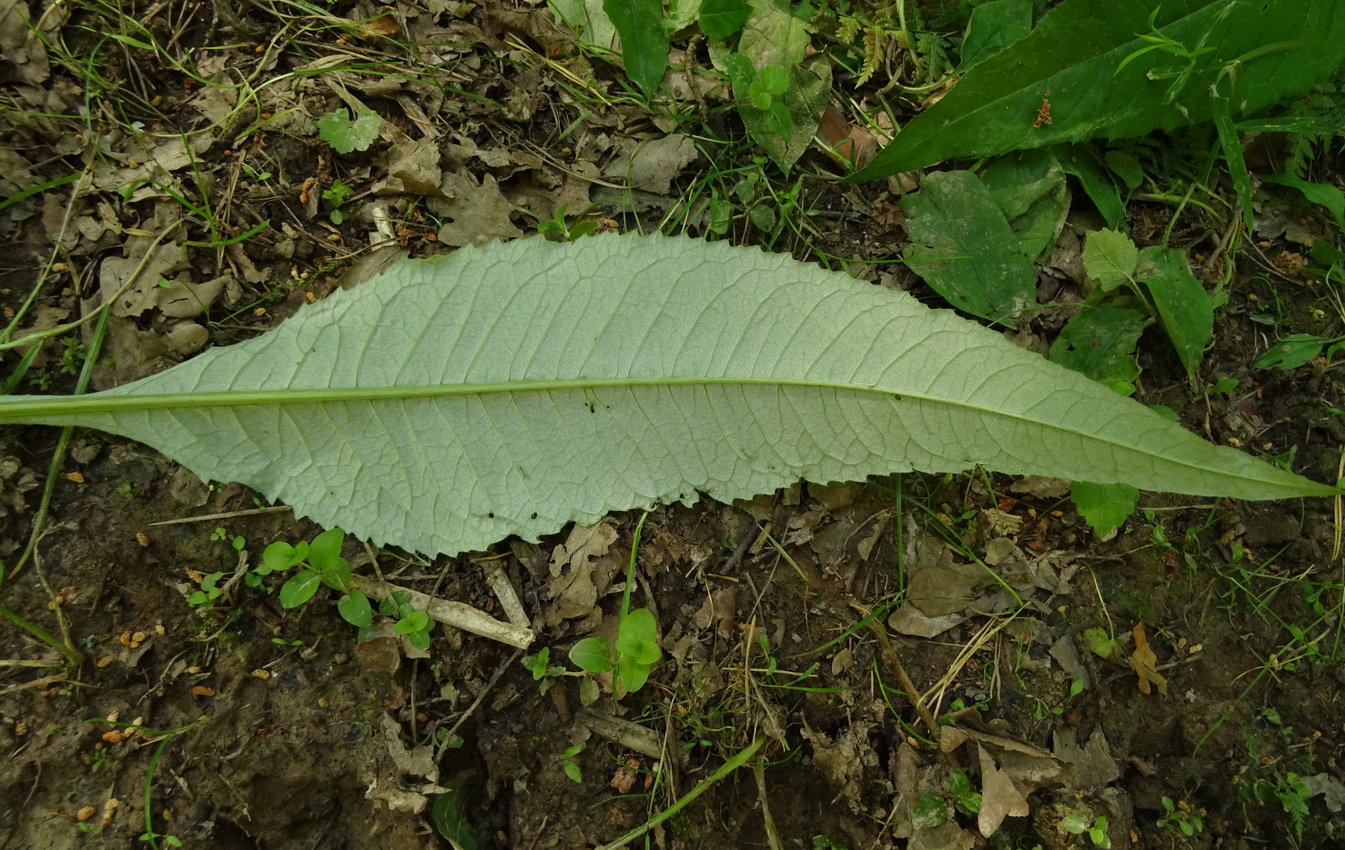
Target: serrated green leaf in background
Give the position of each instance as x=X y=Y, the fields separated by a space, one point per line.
x=644 y=39
x=964 y=248
x=776 y=35
x=1103 y=506
x=1030 y=190
x=1261 y=54
x=1184 y=307
x=446 y=404
x=1109 y=259
x=1100 y=343
x=346 y=134
x=993 y=27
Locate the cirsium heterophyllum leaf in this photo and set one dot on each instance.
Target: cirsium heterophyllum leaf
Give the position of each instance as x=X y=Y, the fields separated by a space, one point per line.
x=447 y=404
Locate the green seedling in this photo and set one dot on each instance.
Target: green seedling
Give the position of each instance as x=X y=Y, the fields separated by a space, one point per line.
x=1289 y=791
x=764 y=90
x=149 y=836
x=346 y=134
x=555 y=229
x=1096 y=830
x=636 y=650
x=572 y=768
x=1179 y=817
x=1157 y=40
x=336 y=196
x=543 y=672
x=965 y=798
x=210 y=591
x=320 y=563
x=415 y=625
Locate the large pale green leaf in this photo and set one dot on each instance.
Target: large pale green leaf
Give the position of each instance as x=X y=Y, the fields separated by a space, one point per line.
x=1259 y=53
x=449 y=403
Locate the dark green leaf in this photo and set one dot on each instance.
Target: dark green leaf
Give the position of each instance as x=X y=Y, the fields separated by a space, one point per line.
x=993 y=27
x=1291 y=352
x=1257 y=58
x=1100 y=343
x=644 y=39
x=299 y=588
x=1231 y=143
x=593 y=655
x=722 y=18
x=1078 y=162
x=1029 y=189
x=1104 y=506
x=354 y=608
x=325 y=550
x=1184 y=307
x=1126 y=167
x=963 y=248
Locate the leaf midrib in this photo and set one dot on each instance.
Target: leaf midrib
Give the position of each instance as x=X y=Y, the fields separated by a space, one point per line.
x=18 y=411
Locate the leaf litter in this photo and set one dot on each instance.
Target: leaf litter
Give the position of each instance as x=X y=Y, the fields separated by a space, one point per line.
x=292 y=720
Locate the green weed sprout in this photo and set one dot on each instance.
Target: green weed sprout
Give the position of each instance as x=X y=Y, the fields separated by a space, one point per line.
x=1096 y=830
x=1180 y=818
x=636 y=649
x=415 y=625
x=320 y=563
x=572 y=768
x=336 y=196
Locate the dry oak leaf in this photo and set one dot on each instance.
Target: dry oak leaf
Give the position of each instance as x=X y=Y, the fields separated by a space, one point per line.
x=1144 y=663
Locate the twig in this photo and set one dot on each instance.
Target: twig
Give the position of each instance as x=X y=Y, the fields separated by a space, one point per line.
x=449 y=613
x=274 y=509
x=703 y=786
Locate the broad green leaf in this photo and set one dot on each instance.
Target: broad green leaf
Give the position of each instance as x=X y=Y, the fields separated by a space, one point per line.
x=722 y=18
x=777 y=35
x=346 y=134
x=508 y=389
x=1029 y=189
x=1126 y=167
x=963 y=248
x=1100 y=343
x=299 y=588
x=354 y=608
x=1291 y=352
x=632 y=673
x=1184 y=307
x=644 y=39
x=325 y=550
x=638 y=636
x=993 y=27
x=1104 y=506
x=593 y=654
x=590 y=23
x=1257 y=55
x=1110 y=259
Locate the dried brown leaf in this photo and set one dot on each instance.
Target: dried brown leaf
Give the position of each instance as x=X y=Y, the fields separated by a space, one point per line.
x=1145 y=663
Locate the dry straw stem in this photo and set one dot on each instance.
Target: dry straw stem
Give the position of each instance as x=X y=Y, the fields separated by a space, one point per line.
x=449 y=613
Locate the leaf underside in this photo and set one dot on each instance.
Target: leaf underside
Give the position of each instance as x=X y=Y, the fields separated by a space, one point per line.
x=446 y=404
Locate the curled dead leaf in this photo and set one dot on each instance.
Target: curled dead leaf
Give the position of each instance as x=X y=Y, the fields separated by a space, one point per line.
x=1145 y=663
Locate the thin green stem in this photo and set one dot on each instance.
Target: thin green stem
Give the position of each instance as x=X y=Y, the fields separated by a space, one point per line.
x=704 y=785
